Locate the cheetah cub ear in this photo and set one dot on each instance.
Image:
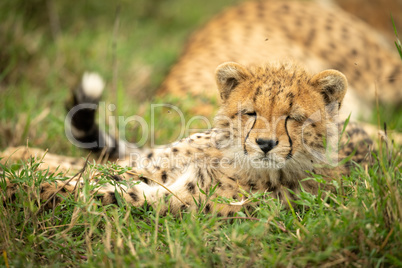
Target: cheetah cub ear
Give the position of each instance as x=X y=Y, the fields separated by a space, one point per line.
x=331 y=84
x=228 y=76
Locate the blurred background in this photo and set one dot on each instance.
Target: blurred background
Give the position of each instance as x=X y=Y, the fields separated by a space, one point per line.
x=46 y=46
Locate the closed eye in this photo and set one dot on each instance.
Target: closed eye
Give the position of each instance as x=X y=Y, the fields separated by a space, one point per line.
x=251 y=114
x=298 y=118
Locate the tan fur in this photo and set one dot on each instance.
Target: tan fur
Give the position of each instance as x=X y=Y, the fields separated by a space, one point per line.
x=282 y=103
x=315 y=36
x=269 y=132
x=49 y=161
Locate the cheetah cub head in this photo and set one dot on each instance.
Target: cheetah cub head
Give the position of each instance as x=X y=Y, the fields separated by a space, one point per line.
x=279 y=115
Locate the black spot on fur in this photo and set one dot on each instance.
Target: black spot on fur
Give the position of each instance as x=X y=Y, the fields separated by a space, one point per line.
x=252 y=185
x=150 y=155
x=207 y=208
x=133 y=196
x=340 y=65
x=144 y=180
x=201 y=177
x=247 y=27
x=191 y=187
x=367 y=141
x=345 y=33
x=164 y=177
x=240 y=12
x=351 y=145
x=324 y=54
x=57 y=199
x=113 y=199
x=269 y=186
x=290 y=95
x=257 y=93
x=260 y=14
x=211 y=173
x=285 y=7
x=357 y=73
x=12 y=198
x=260 y=9
x=379 y=63
x=310 y=37
x=116 y=177
x=166 y=197
x=355 y=131
x=299 y=22
x=226 y=124
x=396 y=71
x=175 y=150
x=230 y=214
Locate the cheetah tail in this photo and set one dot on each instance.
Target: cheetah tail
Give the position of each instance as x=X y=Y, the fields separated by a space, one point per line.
x=81 y=126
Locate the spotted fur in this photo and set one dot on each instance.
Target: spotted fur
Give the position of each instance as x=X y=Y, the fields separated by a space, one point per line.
x=277 y=123
x=268 y=136
x=314 y=35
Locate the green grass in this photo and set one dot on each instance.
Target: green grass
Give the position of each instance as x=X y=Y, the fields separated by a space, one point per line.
x=358 y=226
x=40 y=61
x=397 y=42
x=38 y=69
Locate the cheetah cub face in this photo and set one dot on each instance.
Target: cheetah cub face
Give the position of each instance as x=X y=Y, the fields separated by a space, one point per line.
x=278 y=115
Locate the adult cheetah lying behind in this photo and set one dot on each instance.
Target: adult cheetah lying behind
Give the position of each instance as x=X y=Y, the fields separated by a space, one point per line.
x=314 y=35
x=276 y=124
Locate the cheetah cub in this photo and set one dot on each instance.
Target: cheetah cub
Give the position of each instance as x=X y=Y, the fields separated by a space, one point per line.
x=276 y=125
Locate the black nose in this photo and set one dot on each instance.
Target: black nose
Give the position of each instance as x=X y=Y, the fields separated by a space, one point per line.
x=266 y=145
